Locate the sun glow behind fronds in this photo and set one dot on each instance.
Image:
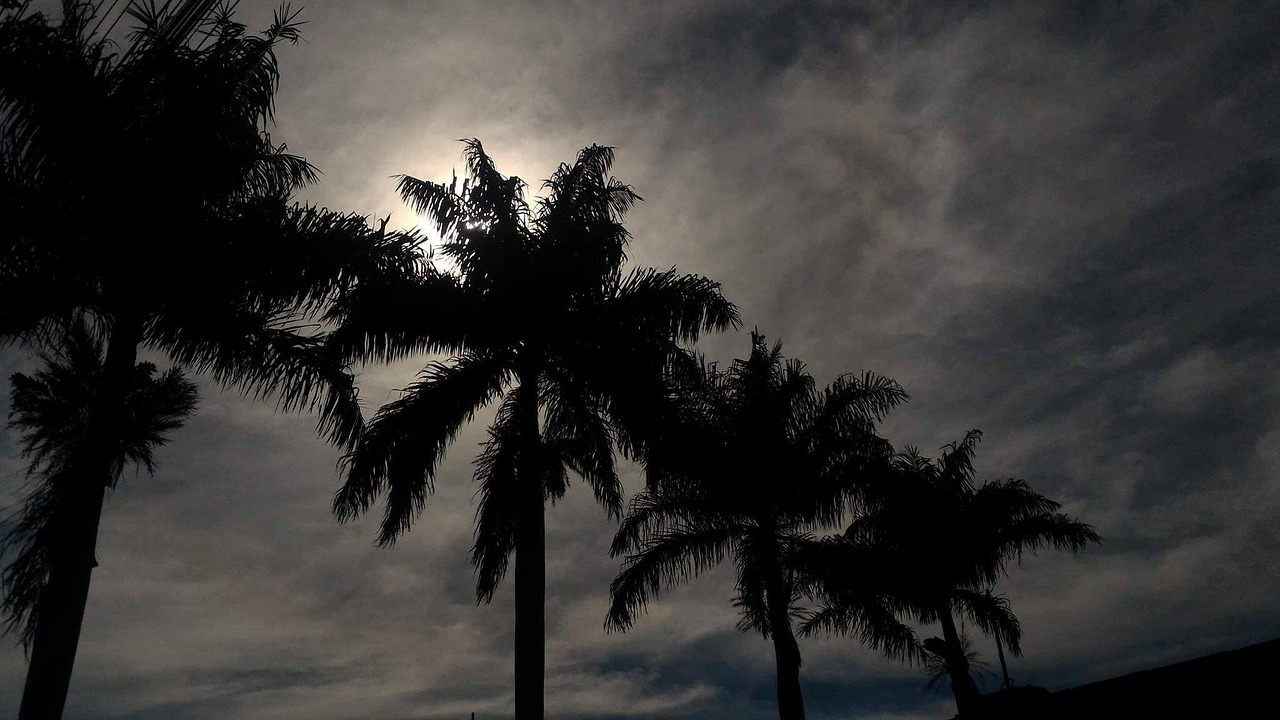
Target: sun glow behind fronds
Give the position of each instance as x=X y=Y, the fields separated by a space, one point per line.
x=433 y=239
x=431 y=243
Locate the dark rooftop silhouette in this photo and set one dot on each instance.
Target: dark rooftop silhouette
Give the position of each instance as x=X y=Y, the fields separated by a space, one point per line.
x=1226 y=684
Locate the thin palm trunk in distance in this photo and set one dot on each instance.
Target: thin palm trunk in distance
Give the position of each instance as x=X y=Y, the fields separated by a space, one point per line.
x=754 y=458
x=926 y=546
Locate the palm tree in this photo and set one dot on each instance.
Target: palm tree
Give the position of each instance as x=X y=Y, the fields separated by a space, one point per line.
x=928 y=544
x=935 y=666
x=49 y=410
x=539 y=319
x=758 y=459
x=209 y=263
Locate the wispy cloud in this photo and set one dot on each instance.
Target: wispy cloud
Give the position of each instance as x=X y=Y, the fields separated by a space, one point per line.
x=1053 y=222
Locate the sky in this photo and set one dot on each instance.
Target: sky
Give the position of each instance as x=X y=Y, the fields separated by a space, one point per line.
x=1053 y=222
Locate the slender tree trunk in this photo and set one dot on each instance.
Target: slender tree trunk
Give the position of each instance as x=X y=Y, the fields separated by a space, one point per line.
x=785 y=648
x=957 y=665
x=531 y=580
x=787 y=652
x=61 y=609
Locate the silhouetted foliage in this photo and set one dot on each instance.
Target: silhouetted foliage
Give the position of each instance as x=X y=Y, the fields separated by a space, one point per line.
x=50 y=410
x=212 y=264
x=540 y=319
x=757 y=458
x=140 y=188
x=928 y=543
x=938 y=675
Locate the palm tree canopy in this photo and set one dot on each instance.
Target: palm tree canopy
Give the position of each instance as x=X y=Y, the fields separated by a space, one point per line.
x=927 y=533
x=49 y=409
x=171 y=208
x=756 y=458
x=539 y=317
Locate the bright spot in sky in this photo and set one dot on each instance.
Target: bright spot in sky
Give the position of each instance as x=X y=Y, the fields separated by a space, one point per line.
x=431 y=243
x=432 y=240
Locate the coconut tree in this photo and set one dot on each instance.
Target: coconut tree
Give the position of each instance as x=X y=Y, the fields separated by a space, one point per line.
x=539 y=319
x=141 y=188
x=936 y=670
x=757 y=458
x=928 y=544
x=49 y=411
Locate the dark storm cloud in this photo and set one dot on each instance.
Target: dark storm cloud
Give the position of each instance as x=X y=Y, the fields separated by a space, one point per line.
x=1055 y=223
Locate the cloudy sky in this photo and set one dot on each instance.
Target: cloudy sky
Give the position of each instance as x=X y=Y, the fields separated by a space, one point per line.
x=1056 y=223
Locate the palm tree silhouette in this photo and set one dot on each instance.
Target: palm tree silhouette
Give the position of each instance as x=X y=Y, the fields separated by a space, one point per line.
x=758 y=458
x=49 y=410
x=927 y=545
x=213 y=267
x=540 y=319
x=936 y=666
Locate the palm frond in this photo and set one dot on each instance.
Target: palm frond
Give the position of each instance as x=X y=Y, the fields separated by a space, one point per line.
x=304 y=257
x=956 y=462
x=579 y=223
x=157 y=407
x=875 y=623
x=496 y=474
x=50 y=408
x=753 y=561
x=655 y=511
x=992 y=614
x=392 y=318
x=445 y=205
x=577 y=431
x=52 y=411
x=404 y=442
x=667 y=304
x=483 y=220
x=664 y=560
x=938 y=676
x=30 y=545
x=263 y=355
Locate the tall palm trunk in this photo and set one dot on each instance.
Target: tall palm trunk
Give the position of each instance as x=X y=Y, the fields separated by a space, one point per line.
x=787 y=653
x=62 y=604
x=531 y=580
x=957 y=665
x=785 y=648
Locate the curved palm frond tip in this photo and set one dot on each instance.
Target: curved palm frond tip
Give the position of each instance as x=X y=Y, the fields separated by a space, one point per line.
x=753 y=458
x=539 y=318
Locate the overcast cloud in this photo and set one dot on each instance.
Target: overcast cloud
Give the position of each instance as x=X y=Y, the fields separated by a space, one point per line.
x=1056 y=223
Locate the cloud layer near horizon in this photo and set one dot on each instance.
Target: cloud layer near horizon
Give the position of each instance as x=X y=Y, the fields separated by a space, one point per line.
x=1057 y=226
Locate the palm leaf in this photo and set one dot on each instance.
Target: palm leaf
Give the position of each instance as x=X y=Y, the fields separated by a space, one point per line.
x=51 y=409
x=665 y=559
x=496 y=474
x=577 y=431
x=394 y=317
x=405 y=441
x=992 y=614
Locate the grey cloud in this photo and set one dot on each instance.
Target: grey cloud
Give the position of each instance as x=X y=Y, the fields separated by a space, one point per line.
x=1054 y=224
